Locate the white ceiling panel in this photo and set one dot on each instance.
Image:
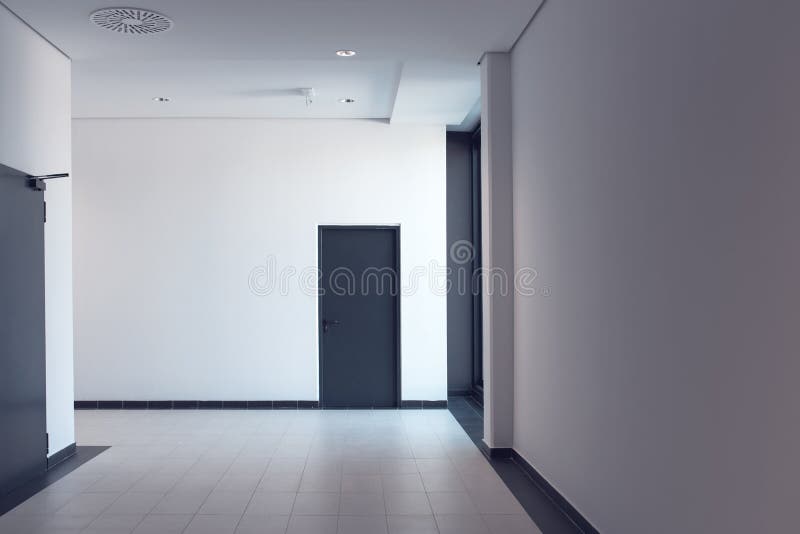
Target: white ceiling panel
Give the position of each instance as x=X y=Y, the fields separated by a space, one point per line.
x=230 y=88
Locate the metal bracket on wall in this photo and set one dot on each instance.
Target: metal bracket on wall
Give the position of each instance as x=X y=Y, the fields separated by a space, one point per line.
x=37 y=183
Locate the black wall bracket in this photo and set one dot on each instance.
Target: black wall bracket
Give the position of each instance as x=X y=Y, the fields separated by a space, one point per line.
x=37 y=183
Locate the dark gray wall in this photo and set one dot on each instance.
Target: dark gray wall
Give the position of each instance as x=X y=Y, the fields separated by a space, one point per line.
x=459 y=228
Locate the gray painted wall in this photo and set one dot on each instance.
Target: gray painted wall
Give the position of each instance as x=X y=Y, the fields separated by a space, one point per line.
x=459 y=228
x=656 y=151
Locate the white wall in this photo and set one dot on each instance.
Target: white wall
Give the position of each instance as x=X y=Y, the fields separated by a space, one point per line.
x=656 y=188
x=497 y=249
x=34 y=100
x=35 y=138
x=172 y=215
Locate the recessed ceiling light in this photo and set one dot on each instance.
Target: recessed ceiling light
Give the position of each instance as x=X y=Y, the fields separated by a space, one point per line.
x=345 y=53
x=347 y=100
x=161 y=99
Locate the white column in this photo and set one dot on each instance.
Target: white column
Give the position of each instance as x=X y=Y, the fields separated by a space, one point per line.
x=497 y=250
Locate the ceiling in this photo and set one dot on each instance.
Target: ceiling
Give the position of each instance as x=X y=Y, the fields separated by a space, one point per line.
x=416 y=62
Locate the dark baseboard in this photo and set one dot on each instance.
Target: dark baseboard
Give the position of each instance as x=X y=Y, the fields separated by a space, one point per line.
x=237 y=405
x=196 y=405
x=574 y=515
x=423 y=404
x=477 y=395
x=495 y=452
x=64 y=454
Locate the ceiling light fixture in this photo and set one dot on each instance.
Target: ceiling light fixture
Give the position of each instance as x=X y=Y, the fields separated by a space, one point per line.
x=345 y=53
x=347 y=100
x=161 y=99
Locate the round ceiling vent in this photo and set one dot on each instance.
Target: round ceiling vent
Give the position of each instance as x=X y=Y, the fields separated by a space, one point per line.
x=131 y=20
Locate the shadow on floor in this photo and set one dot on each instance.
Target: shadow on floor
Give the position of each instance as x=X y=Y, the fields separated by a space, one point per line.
x=544 y=512
x=58 y=471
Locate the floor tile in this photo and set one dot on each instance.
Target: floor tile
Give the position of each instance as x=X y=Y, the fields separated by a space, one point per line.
x=361 y=467
x=135 y=504
x=407 y=504
x=238 y=483
x=362 y=504
x=447 y=481
x=511 y=524
x=349 y=524
x=403 y=482
x=321 y=524
x=321 y=482
x=113 y=524
x=407 y=524
x=361 y=483
x=271 y=524
x=263 y=504
x=316 y=504
x=64 y=523
x=88 y=504
x=398 y=467
x=461 y=524
x=224 y=503
x=181 y=502
x=212 y=524
x=43 y=503
x=451 y=503
x=280 y=481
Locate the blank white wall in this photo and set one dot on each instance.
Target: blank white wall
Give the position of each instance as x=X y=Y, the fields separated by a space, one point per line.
x=34 y=100
x=35 y=139
x=656 y=186
x=172 y=215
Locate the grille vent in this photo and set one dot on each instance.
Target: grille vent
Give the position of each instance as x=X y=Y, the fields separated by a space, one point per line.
x=131 y=20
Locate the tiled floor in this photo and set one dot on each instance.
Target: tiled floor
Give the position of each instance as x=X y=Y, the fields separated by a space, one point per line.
x=297 y=472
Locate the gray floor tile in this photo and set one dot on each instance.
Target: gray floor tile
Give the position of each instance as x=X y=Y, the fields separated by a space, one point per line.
x=316 y=504
x=461 y=524
x=407 y=504
x=224 y=503
x=511 y=524
x=408 y=524
x=212 y=524
x=181 y=502
x=321 y=524
x=361 y=483
x=362 y=504
x=271 y=524
x=135 y=504
x=451 y=503
x=407 y=482
x=349 y=524
x=263 y=504
x=113 y=524
x=88 y=504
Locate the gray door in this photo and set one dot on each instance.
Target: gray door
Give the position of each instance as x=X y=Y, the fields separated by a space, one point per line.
x=359 y=316
x=23 y=445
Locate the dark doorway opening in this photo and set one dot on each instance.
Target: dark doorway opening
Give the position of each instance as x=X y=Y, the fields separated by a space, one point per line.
x=464 y=306
x=359 y=316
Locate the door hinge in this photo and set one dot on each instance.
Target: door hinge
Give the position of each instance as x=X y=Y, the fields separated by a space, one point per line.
x=47 y=442
x=44 y=209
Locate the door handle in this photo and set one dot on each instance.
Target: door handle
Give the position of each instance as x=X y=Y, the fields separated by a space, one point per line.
x=326 y=324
